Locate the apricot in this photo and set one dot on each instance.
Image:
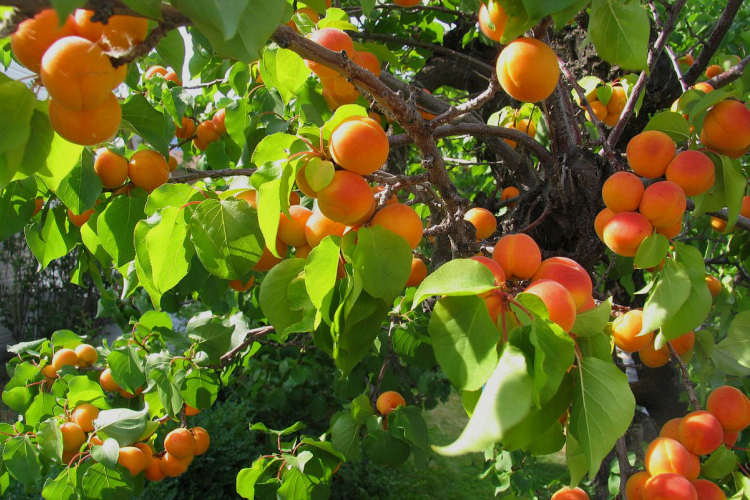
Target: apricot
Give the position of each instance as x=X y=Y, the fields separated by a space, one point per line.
x=389 y=401
x=292 y=230
x=73 y=436
x=718 y=224
x=155 y=70
x=701 y=433
x=371 y=63
x=713 y=70
x=336 y=101
x=418 y=272
x=172 y=163
x=650 y=152
x=206 y=132
x=494 y=304
x=483 y=220
x=190 y=411
x=148 y=169
x=86 y=127
x=683 y=344
x=493 y=266
x=107 y=382
x=730 y=406
x=314 y=17
x=695 y=467
x=601 y=220
x=528 y=70
x=120 y=33
x=688 y=59
x=706 y=490
x=200 y=145
x=727 y=126
x=359 y=145
x=202 y=440
x=180 y=443
x=714 y=285
x=346 y=199
x=302 y=183
x=671 y=429
x=84 y=415
x=153 y=471
x=249 y=196
x=508 y=193
x=402 y=220
x=407 y=3
x=64 y=357
x=133 y=459
x=693 y=171
x=492 y=20
x=625 y=330
x=111 y=168
x=34 y=36
x=622 y=192
x=219 y=121
x=38 y=204
x=148 y=453
x=624 y=233
x=186 y=129
x=590 y=304
x=672 y=231
x=663 y=204
x=68 y=456
x=567 y=493
x=669 y=487
x=665 y=455
x=239 y=286
x=731 y=437
x=81 y=219
x=332 y=39
x=611 y=119
x=559 y=302
x=518 y=255
x=617 y=101
x=130 y=395
x=172 y=466
x=268 y=260
x=303 y=251
x=523 y=125
x=171 y=76
x=319 y=226
x=599 y=109
x=49 y=371
x=634 y=486
x=87 y=355
x=569 y=274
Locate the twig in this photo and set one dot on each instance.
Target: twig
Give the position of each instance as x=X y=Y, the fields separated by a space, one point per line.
x=252 y=336
x=685 y=377
x=358 y=10
x=729 y=75
x=626 y=470
x=545 y=214
x=723 y=214
x=469 y=106
x=672 y=56
x=194 y=175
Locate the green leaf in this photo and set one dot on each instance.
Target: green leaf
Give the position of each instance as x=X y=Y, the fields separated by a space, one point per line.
x=554 y=353
x=116 y=225
x=737 y=343
x=60 y=488
x=358 y=323
x=698 y=304
x=143 y=267
x=171 y=195
x=576 y=459
x=39 y=145
x=671 y=123
x=620 y=33
x=82 y=389
x=140 y=117
x=49 y=438
x=720 y=464
x=53 y=241
x=200 y=388
x=345 y=436
x=122 y=424
x=80 y=187
x=651 y=251
x=149 y=8
x=22 y=460
x=286 y=71
x=248 y=478
x=213 y=339
x=274 y=295
x=107 y=453
x=16 y=206
x=169 y=393
x=169 y=248
x=456 y=278
x=465 y=340
x=41 y=407
x=382 y=260
x=593 y=321
x=127 y=368
x=384 y=449
x=362 y=409
x=670 y=292
x=562 y=17
x=603 y=407
x=16 y=107
x=320 y=274
x=540 y=8
x=66 y=7
x=171 y=48
x=411 y=421
x=112 y=484
x=493 y=417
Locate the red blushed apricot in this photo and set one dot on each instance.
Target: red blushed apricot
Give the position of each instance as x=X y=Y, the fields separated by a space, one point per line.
x=730 y=406
x=567 y=493
x=492 y=20
x=493 y=266
x=268 y=260
x=77 y=73
x=132 y=459
x=518 y=255
x=86 y=127
x=73 y=436
x=704 y=87
x=180 y=443
x=634 y=486
x=483 y=221
x=153 y=471
x=695 y=467
x=622 y=192
x=120 y=33
x=389 y=401
x=663 y=204
x=171 y=76
x=111 y=168
x=186 y=129
x=706 y=490
x=559 y=302
x=665 y=455
x=727 y=126
x=148 y=169
x=347 y=199
x=617 y=101
x=671 y=429
x=508 y=193
x=80 y=220
x=625 y=330
x=693 y=171
x=319 y=226
x=240 y=286
x=34 y=36
x=714 y=285
x=672 y=231
x=206 y=132
x=402 y=220
x=713 y=70
x=359 y=145
x=332 y=39
x=650 y=152
x=418 y=272
x=601 y=220
x=624 y=233
x=669 y=487
x=590 y=304
x=528 y=70
x=569 y=274
x=292 y=230
x=731 y=437
x=220 y=121
x=107 y=382
x=701 y=433
x=250 y=196
x=494 y=305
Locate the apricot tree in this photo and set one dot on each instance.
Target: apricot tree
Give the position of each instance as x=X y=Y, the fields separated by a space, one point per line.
x=534 y=202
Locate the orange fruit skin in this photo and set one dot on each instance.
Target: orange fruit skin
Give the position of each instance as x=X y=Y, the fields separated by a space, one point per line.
x=718 y=224
x=402 y=220
x=483 y=220
x=302 y=252
x=389 y=401
x=130 y=395
x=336 y=101
x=714 y=285
x=669 y=487
x=494 y=14
x=624 y=233
x=528 y=70
x=707 y=490
x=727 y=126
x=524 y=125
x=622 y=192
x=569 y=274
x=155 y=70
x=601 y=220
x=693 y=171
x=635 y=484
x=671 y=429
x=665 y=455
x=617 y=101
x=64 y=357
x=292 y=230
x=49 y=371
x=107 y=382
x=172 y=163
x=237 y=286
x=518 y=255
x=132 y=459
x=714 y=70
x=701 y=432
x=219 y=121
x=494 y=267
x=87 y=355
x=119 y=34
x=663 y=204
x=731 y=437
x=86 y=127
x=672 y=231
x=206 y=132
x=567 y=493
x=186 y=130
x=600 y=111
x=347 y=199
x=153 y=471
x=34 y=36
x=508 y=193
x=730 y=406
x=268 y=260
x=625 y=329
x=148 y=452
x=172 y=466
x=180 y=443
x=650 y=152
x=171 y=76
x=407 y=3
x=148 y=169
x=111 y=168
x=72 y=436
x=81 y=219
x=250 y=196
x=418 y=272
x=38 y=204
x=319 y=226
x=84 y=415
x=371 y=63
x=302 y=183
x=559 y=302
x=688 y=59
x=332 y=39
x=359 y=144
x=202 y=440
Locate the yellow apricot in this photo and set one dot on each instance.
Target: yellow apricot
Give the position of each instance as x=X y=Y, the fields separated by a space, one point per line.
x=86 y=127
x=528 y=70
x=148 y=169
x=120 y=33
x=34 y=36
x=84 y=415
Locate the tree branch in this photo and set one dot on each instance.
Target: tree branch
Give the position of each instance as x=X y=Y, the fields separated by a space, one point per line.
x=195 y=175
x=252 y=336
x=685 y=377
x=455 y=111
x=672 y=56
x=358 y=10
x=729 y=75
x=723 y=214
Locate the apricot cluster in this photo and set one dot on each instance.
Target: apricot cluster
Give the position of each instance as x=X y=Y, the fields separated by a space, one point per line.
x=673 y=460
x=626 y=332
x=83 y=356
x=180 y=447
x=206 y=132
x=610 y=112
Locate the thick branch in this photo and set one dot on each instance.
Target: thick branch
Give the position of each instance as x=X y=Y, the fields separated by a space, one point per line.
x=723 y=214
x=729 y=75
x=195 y=175
x=672 y=56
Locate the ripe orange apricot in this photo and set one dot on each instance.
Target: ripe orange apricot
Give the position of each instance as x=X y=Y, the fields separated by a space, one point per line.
x=567 y=493
x=107 y=382
x=86 y=127
x=189 y=410
x=402 y=220
x=87 y=355
x=346 y=199
x=650 y=152
x=72 y=436
x=663 y=204
x=38 y=204
x=180 y=443
x=622 y=192
x=206 y=132
x=695 y=467
x=523 y=125
x=617 y=101
x=669 y=487
x=590 y=304
x=34 y=36
x=111 y=168
x=718 y=224
x=635 y=484
x=672 y=231
x=731 y=437
x=665 y=455
x=237 y=286
x=119 y=34
x=49 y=371
x=359 y=145
x=528 y=70
x=64 y=357
x=483 y=220
x=292 y=230
x=148 y=169
x=186 y=130
x=249 y=196
x=147 y=451
x=172 y=163
x=153 y=471
x=601 y=220
x=389 y=401
x=559 y=302
x=336 y=101
x=683 y=344
x=418 y=272
x=625 y=329
x=155 y=70
x=80 y=220
x=693 y=171
x=654 y=358
x=569 y=274
x=202 y=440
x=268 y=260
x=219 y=121
x=132 y=459
x=171 y=76
x=332 y=39
x=172 y=466
x=494 y=267
x=701 y=433
x=68 y=456
x=319 y=226
x=706 y=490
x=518 y=255
x=624 y=233
x=727 y=126
x=130 y=395
x=302 y=183
x=302 y=252
x=730 y=406
x=600 y=111
x=508 y=193
x=492 y=20
x=714 y=70
x=84 y=415
x=671 y=429
x=714 y=285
